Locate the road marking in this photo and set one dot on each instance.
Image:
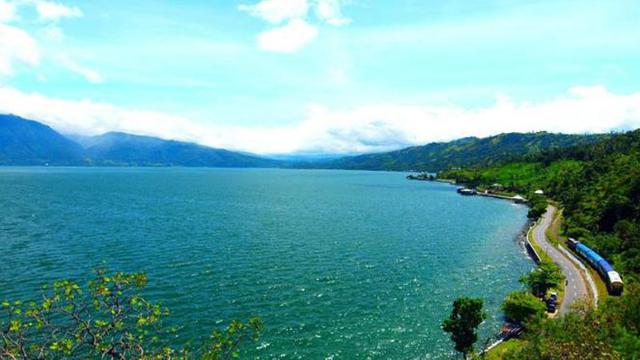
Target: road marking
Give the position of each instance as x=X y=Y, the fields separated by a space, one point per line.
x=559 y=256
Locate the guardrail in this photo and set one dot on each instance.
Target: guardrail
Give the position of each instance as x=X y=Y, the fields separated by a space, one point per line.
x=530 y=248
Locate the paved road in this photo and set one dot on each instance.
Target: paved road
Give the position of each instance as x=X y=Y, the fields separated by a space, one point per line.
x=576 y=287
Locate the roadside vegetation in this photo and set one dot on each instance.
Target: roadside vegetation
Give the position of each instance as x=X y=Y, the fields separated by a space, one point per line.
x=597 y=185
x=607 y=332
x=543 y=278
x=107 y=319
x=598 y=188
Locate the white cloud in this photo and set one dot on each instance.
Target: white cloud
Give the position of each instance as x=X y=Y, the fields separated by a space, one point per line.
x=53 y=33
x=16 y=46
x=88 y=117
x=53 y=11
x=298 y=31
x=330 y=11
x=90 y=75
x=378 y=127
x=7 y=11
x=288 y=38
x=277 y=11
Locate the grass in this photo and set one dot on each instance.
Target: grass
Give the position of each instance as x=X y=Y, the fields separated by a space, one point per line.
x=600 y=285
x=532 y=239
x=499 y=351
x=554 y=231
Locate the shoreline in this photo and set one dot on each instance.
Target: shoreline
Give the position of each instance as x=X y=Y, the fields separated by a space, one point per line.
x=531 y=246
x=527 y=228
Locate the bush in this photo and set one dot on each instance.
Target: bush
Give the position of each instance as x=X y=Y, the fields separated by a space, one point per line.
x=537 y=206
x=521 y=306
x=543 y=278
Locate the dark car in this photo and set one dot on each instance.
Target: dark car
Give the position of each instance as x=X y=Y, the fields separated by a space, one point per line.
x=551 y=301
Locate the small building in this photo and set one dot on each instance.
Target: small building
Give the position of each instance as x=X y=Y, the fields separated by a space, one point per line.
x=466 y=191
x=539 y=192
x=497 y=187
x=519 y=199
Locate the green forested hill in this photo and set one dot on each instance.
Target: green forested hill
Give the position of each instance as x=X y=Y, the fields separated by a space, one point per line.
x=132 y=150
x=598 y=185
x=463 y=152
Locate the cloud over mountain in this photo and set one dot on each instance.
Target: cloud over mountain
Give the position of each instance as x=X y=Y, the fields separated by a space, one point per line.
x=372 y=128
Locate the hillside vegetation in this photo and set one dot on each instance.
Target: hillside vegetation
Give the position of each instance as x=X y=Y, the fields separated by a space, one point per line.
x=598 y=186
x=466 y=152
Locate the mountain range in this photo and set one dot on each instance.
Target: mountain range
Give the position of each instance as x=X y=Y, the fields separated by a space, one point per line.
x=28 y=142
x=465 y=152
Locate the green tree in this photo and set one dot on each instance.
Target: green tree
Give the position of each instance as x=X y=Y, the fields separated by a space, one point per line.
x=465 y=317
x=578 y=335
x=111 y=319
x=546 y=276
x=537 y=206
x=521 y=306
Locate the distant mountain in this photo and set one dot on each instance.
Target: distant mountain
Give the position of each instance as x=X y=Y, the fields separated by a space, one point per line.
x=26 y=142
x=466 y=152
x=306 y=158
x=122 y=149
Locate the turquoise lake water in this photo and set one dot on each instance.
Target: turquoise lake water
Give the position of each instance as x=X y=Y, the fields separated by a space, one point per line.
x=339 y=264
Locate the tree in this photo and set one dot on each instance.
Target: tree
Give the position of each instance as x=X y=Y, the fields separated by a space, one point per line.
x=110 y=320
x=546 y=276
x=537 y=206
x=521 y=306
x=578 y=335
x=465 y=317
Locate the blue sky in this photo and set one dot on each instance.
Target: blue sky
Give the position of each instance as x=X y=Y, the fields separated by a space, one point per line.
x=337 y=76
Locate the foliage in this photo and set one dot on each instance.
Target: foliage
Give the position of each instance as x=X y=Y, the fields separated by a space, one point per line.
x=468 y=152
x=545 y=276
x=537 y=206
x=110 y=319
x=612 y=331
x=521 y=307
x=597 y=185
x=226 y=345
x=573 y=336
x=465 y=317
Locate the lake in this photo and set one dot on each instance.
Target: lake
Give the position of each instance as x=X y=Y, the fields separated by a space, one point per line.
x=338 y=264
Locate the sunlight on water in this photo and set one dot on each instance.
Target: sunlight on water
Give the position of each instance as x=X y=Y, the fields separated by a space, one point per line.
x=338 y=264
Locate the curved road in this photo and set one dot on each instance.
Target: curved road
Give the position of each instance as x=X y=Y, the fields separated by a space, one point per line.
x=575 y=287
